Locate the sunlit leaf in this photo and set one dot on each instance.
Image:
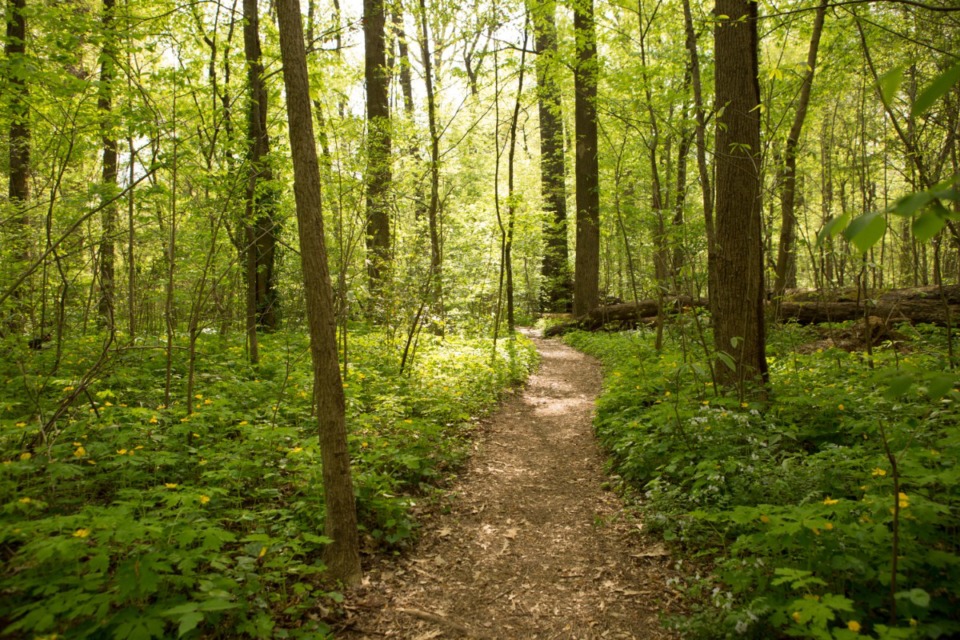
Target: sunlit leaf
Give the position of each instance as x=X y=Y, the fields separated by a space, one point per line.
x=927 y=225
x=936 y=90
x=865 y=231
x=889 y=84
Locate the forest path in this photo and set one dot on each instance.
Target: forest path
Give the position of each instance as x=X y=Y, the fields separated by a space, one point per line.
x=532 y=545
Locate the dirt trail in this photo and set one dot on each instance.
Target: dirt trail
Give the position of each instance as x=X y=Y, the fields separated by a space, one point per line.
x=533 y=546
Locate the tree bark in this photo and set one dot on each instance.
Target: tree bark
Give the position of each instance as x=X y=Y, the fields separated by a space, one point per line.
x=786 y=256
x=342 y=556
x=433 y=210
x=377 y=75
x=19 y=145
x=586 y=292
x=106 y=305
x=706 y=186
x=739 y=299
x=557 y=284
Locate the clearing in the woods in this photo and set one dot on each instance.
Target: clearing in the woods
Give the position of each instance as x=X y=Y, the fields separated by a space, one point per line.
x=529 y=543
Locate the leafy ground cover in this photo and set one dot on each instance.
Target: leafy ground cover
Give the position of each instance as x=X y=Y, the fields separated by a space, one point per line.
x=129 y=519
x=830 y=510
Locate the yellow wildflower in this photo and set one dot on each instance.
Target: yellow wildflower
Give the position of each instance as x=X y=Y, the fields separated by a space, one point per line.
x=199 y=396
x=363 y=445
x=263 y=552
x=65 y=389
x=829 y=501
x=296 y=450
x=204 y=499
x=840 y=407
x=878 y=472
x=828 y=526
x=21 y=424
x=108 y=404
x=121 y=452
x=153 y=420
x=765 y=519
x=904 y=500
x=243 y=423
x=170 y=485
x=744 y=405
x=796 y=616
x=26 y=500
x=854 y=626
x=26 y=455
x=80 y=452
x=81 y=533
x=208 y=401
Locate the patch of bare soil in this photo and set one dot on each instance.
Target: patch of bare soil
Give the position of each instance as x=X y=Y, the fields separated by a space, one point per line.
x=532 y=546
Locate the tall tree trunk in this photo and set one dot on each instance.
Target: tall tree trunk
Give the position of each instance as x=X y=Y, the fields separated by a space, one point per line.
x=378 y=177
x=19 y=149
x=106 y=306
x=786 y=256
x=586 y=292
x=706 y=187
x=403 y=49
x=433 y=210
x=738 y=300
x=557 y=284
x=342 y=556
x=511 y=195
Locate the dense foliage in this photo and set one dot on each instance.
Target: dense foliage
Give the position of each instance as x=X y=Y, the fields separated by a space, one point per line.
x=129 y=519
x=797 y=510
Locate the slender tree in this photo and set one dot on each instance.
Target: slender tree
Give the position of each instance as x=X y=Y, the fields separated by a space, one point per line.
x=433 y=209
x=378 y=178
x=786 y=258
x=739 y=296
x=19 y=145
x=342 y=556
x=586 y=291
x=109 y=174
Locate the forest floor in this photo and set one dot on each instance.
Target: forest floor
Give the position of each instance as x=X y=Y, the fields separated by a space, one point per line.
x=529 y=543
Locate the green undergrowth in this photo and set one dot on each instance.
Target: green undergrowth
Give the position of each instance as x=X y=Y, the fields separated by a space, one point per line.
x=787 y=509
x=128 y=519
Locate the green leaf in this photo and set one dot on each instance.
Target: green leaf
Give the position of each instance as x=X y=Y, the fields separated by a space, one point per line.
x=833 y=228
x=189 y=622
x=940 y=385
x=889 y=84
x=918 y=597
x=909 y=204
x=927 y=225
x=217 y=604
x=864 y=231
x=898 y=386
x=936 y=89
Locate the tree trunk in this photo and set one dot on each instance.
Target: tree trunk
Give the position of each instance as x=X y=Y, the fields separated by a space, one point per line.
x=342 y=557
x=557 y=285
x=706 y=187
x=786 y=256
x=379 y=176
x=586 y=292
x=19 y=149
x=106 y=306
x=433 y=210
x=738 y=301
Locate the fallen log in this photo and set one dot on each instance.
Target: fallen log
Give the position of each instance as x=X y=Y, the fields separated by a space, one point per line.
x=916 y=310
x=624 y=315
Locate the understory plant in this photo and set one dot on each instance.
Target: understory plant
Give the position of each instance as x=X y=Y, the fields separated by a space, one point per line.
x=831 y=509
x=125 y=518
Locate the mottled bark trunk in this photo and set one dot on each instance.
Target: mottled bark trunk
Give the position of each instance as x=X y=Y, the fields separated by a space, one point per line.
x=557 y=284
x=433 y=209
x=587 y=264
x=19 y=146
x=260 y=197
x=342 y=556
x=738 y=302
x=106 y=306
x=378 y=178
